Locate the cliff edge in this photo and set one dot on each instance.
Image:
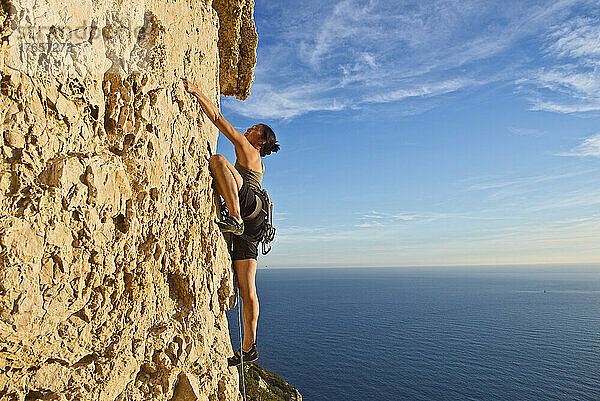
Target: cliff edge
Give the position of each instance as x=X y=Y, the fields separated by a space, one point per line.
x=113 y=276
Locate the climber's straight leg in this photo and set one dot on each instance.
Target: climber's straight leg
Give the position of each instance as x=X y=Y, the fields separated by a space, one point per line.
x=246 y=273
x=227 y=182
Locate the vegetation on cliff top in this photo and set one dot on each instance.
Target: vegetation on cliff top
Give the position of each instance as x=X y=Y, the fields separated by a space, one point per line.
x=264 y=385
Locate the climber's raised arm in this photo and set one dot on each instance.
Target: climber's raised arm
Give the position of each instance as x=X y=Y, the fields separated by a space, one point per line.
x=248 y=209
x=213 y=113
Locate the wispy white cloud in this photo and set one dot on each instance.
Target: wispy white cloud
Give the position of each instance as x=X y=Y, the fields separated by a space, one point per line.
x=569 y=82
x=560 y=240
x=370 y=224
x=565 y=108
x=381 y=219
x=296 y=234
x=520 y=182
x=360 y=55
x=524 y=196
x=281 y=216
x=352 y=54
x=571 y=199
x=588 y=147
x=390 y=220
x=526 y=132
x=267 y=102
x=435 y=89
x=580 y=38
x=409 y=216
x=565 y=232
x=374 y=215
x=346 y=20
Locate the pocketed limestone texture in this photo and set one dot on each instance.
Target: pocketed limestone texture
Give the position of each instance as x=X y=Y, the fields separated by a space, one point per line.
x=237 y=46
x=113 y=276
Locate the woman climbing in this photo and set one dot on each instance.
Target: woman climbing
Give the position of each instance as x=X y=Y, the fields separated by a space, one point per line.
x=238 y=185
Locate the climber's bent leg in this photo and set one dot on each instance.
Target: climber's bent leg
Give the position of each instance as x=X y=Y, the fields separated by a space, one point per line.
x=246 y=273
x=227 y=182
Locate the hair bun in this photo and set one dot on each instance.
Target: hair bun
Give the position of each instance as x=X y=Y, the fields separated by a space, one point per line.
x=270 y=144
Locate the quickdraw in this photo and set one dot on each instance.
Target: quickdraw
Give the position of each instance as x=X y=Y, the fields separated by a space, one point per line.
x=268 y=230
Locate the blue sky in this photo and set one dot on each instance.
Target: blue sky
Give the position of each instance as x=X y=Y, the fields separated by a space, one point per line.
x=429 y=132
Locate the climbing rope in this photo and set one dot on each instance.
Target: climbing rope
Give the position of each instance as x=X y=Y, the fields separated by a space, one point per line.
x=237 y=294
x=239 y=308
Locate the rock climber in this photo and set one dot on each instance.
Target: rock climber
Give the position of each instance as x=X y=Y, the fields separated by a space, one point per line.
x=237 y=185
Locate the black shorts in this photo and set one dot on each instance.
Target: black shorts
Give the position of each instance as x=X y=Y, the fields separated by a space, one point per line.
x=244 y=247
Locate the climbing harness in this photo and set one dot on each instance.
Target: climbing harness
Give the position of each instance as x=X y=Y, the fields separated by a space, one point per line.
x=264 y=208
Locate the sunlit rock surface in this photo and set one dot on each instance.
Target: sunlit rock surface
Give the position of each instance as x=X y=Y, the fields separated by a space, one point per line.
x=237 y=46
x=113 y=276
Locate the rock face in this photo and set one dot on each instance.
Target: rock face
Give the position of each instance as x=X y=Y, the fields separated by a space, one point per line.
x=113 y=276
x=237 y=46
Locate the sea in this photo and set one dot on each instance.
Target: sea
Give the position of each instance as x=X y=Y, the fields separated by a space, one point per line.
x=432 y=333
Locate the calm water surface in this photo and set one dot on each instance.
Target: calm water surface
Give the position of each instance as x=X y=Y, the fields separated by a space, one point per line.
x=477 y=333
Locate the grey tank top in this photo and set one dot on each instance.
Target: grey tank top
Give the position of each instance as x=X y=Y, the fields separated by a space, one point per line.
x=252 y=177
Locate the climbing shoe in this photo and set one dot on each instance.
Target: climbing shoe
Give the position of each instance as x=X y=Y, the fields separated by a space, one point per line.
x=249 y=356
x=231 y=225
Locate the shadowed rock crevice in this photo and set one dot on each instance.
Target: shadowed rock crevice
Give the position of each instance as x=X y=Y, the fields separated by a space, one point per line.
x=180 y=291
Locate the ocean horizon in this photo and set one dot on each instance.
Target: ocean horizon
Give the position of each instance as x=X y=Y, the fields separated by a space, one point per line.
x=508 y=332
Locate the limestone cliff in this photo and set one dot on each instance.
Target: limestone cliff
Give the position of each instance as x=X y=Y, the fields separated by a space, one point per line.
x=113 y=275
